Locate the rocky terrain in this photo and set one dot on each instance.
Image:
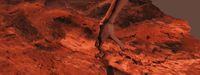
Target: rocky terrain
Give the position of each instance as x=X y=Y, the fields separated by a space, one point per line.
x=56 y=37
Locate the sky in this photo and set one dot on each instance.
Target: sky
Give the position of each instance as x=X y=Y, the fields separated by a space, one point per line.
x=185 y=9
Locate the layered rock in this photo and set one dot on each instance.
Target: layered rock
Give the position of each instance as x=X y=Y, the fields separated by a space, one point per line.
x=43 y=37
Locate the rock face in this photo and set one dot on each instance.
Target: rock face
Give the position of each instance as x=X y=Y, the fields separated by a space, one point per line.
x=56 y=37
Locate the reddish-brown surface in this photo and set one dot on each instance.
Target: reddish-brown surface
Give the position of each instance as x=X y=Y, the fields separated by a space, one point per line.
x=56 y=37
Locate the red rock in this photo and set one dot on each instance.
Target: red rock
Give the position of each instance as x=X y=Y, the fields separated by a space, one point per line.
x=38 y=37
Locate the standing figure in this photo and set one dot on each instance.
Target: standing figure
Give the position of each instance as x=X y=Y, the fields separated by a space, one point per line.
x=106 y=25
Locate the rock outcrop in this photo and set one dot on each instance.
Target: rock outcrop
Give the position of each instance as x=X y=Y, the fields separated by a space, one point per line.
x=56 y=37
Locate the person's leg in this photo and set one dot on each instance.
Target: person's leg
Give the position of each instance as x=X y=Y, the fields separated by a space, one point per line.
x=118 y=9
x=119 y=42
x=113 y=37
x=103 y=35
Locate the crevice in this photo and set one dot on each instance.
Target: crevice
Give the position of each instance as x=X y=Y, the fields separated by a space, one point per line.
x=113 y=71
x=63 y=19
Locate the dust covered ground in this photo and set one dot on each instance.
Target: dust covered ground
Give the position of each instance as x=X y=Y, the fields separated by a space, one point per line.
x=56 y=37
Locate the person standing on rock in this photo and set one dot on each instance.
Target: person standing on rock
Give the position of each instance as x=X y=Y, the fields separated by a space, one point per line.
x=107 y=25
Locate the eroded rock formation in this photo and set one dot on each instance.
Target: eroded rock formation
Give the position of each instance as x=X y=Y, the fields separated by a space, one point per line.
x=56 y=37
